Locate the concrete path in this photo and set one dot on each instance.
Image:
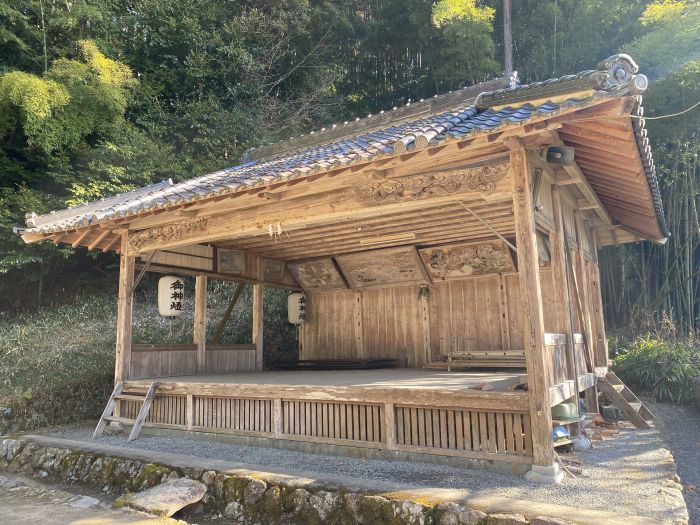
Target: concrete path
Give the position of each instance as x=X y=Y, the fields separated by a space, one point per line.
x=24 y=501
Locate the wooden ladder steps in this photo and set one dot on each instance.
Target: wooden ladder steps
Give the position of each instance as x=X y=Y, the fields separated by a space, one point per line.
x=117 y=395
x=130 y=397
x=624 y=399
x=117 y=419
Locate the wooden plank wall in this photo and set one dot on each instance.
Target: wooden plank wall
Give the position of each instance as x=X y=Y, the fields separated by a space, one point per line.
x=222 y=359
x=388 y=322
x=164 y=360
x=392 y=325
x=331 y=330
x=467 y=309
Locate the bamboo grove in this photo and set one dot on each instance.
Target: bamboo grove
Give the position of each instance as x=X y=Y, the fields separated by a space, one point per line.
x=98 y=97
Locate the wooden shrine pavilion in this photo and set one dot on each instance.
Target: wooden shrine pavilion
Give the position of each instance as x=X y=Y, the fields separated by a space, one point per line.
x=458 y=232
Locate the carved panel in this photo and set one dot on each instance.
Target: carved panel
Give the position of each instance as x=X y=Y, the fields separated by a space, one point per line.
x=273 y=269
x=481 y=179
x=318 y=275
x=168 y=232
x=457 y=261
x=230 y=261
x=389 y=267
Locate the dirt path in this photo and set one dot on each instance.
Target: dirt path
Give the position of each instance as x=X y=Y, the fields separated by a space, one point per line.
x=680 y=428
x=24 y=501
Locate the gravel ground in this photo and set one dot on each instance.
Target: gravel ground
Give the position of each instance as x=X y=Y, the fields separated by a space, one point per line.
x=680 y=427
x=622 y=473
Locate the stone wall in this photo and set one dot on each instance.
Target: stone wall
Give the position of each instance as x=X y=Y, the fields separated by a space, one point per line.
x=242 y=499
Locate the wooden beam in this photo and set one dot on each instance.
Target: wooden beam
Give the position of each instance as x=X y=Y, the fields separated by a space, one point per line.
x=200 y=321
x=78 y=239
x=258 y=294
x=125 y=305
x=216 y=338
x=531 y=307
x=98 y=240
x=112 y=243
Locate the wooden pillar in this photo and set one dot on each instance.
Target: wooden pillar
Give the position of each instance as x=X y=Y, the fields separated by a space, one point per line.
x=200 y=321
x=125 y=306
x=601 y=354
x=583 y=289
x=545 y=467
x=258 y=294
x=561 y=297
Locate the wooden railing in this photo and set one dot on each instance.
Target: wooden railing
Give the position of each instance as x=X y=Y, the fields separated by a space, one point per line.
x=480 y=425
x=167 y=360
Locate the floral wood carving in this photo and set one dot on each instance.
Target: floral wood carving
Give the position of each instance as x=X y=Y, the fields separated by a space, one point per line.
x=458 y=261
x=481 y=179
x=169 y=232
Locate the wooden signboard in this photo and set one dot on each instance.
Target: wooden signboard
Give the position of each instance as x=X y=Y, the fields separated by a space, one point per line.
x=318 y=275
x=231 y=261
x=273 y=270
x=457 y=261
x=380 y=268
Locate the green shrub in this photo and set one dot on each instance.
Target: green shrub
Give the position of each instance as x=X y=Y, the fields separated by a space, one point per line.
x=662 y=369
x=57 y=364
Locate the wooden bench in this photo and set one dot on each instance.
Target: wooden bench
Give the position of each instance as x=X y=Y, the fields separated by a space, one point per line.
x=480 y=359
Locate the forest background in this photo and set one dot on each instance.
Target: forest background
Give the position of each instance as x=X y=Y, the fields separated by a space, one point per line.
x=103 y=96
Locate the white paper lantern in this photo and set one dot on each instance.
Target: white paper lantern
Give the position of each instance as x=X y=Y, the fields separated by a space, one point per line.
x=296 y=308
x=171 y=296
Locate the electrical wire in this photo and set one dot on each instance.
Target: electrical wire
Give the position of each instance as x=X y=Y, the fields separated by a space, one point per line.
x=670 y=114
x=660 y=117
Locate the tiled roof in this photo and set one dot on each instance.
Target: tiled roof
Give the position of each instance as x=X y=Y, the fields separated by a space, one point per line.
x=492 y=111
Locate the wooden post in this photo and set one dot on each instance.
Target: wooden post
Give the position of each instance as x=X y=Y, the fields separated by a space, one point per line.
x=560 y=275
x=258 y=294
x=585 y=299
x=277 y=416
x=544 y=466
x=125 y=306
x=390 y=426
x=200 y=321
x=189 y=412
x=601 y=354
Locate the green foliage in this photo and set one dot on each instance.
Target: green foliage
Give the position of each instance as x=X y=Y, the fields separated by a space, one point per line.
x=445 y=11
x=671 y=37
x=662 y=369
x=57 y=365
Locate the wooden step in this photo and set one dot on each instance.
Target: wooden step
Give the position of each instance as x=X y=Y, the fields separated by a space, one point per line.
x=130 y=397
x=143 y=413
x=109 y=409
x=118 y=419
x=624 y=399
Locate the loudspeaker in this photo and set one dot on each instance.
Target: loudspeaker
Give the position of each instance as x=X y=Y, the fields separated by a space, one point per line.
x=561 y=155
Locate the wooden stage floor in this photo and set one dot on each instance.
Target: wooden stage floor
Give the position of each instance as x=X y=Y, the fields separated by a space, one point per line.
x=392 y=378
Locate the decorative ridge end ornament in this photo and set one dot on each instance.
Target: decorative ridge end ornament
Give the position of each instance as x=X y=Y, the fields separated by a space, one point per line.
x=616 y=74
x=619 y=71
x=481 y=179
x=168 y=232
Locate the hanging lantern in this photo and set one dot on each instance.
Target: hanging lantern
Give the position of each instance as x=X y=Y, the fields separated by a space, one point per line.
x=171 y=295
x=296 y=308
